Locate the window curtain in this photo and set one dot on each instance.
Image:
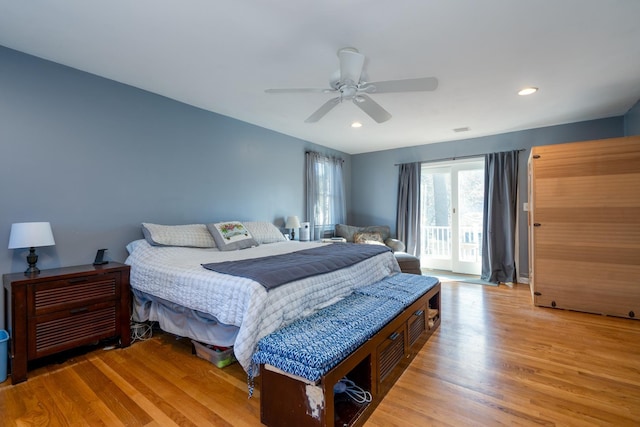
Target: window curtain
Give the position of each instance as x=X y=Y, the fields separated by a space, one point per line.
x=408 y=216
x=325 y=194
x=500 y=212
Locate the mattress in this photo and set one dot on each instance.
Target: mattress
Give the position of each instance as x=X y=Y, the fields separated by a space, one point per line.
x=176 y=275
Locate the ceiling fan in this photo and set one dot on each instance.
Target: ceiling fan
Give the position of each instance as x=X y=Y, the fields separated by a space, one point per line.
x=351 y=84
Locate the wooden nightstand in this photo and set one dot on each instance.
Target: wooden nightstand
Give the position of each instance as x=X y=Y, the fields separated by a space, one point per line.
x=64 y=308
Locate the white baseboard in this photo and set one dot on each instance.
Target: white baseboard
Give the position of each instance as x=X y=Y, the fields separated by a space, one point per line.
x=524 y=280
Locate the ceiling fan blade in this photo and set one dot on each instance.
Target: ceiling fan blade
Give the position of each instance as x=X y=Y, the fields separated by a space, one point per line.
x=407 y=85
x=351 y=63
x=372 y=108
x=300 y=90
x=322 y=111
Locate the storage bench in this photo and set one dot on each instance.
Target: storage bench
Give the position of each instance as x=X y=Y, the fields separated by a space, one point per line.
x=369 y=337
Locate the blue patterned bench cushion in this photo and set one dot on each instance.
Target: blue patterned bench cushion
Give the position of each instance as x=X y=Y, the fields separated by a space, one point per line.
x=311 y=347
x=402 y=287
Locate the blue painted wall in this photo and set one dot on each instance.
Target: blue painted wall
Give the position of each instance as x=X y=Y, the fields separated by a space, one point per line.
x=374 y=181
x=632 y=121
x=96 y=158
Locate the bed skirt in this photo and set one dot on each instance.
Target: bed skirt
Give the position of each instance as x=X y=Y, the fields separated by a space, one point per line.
x=178 y=320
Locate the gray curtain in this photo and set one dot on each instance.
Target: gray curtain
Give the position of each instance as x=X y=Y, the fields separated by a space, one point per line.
x=325 y=194
x=408 y=216
x=500 y=210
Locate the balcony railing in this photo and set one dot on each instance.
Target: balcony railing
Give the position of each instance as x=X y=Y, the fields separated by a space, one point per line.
x=436 y=243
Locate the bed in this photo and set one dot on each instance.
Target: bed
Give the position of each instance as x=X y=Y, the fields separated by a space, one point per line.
x=171 y=286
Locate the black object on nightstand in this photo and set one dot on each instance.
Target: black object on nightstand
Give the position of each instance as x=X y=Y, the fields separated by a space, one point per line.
x=100 y=258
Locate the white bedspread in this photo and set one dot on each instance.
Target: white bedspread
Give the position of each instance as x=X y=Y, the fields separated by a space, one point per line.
x=176 y=274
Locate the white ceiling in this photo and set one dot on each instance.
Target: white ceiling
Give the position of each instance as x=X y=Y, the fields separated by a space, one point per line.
x=584 y=55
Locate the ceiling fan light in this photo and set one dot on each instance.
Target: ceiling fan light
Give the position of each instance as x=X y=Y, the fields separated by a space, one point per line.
x=356 y=125
x=527 y=91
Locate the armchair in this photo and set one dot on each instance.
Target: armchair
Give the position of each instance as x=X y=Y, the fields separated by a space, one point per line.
x=381 y=234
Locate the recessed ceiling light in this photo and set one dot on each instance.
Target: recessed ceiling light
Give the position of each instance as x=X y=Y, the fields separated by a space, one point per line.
x=528 y=91
x=464 y=129
x=356 y=125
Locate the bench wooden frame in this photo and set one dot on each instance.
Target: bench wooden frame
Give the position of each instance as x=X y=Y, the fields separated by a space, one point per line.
x=286 y=400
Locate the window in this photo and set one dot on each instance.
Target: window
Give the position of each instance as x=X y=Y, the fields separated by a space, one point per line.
x=325 y=194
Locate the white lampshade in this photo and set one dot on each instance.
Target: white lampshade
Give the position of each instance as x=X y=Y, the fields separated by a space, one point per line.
x=30 y=235
x=292 y=222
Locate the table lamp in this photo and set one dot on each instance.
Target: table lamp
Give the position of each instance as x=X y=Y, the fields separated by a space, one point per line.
x=31 y=235
x=292 y=223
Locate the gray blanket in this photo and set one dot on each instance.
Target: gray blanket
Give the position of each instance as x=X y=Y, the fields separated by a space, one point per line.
x=274 y=271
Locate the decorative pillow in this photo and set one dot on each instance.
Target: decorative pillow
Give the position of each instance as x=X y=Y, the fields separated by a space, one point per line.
x=264 y=232
x=231 y=235
x=347 y=231
x=190 y=235
x=366 y=237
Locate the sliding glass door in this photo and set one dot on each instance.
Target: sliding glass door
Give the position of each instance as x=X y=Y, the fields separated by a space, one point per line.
x=452 y=196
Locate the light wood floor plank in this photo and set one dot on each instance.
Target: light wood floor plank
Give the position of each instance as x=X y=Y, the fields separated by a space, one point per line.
x=70 y=407
x=162 y=385
x=157 y=408
x=115 y=398
x=496 y=360
x=88 y=398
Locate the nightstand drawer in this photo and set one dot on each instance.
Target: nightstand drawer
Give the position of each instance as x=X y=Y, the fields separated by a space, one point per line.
x=72 y=328
x=48 y=297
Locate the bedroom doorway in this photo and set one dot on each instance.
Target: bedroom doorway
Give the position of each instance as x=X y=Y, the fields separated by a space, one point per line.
x=452 y=198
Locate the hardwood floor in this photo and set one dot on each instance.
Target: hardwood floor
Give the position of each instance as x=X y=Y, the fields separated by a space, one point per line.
x=496 y=360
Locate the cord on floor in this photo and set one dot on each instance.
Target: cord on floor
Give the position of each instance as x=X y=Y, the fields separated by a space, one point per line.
x=141 y=331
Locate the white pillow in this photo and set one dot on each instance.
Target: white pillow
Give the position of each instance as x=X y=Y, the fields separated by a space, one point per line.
x=264 y=232
x=231 y=235
x=190 y=235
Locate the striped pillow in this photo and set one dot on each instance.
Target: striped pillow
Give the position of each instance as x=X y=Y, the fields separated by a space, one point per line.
x=190 y=235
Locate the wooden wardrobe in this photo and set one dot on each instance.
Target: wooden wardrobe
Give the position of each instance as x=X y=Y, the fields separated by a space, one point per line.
x=584 y=226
